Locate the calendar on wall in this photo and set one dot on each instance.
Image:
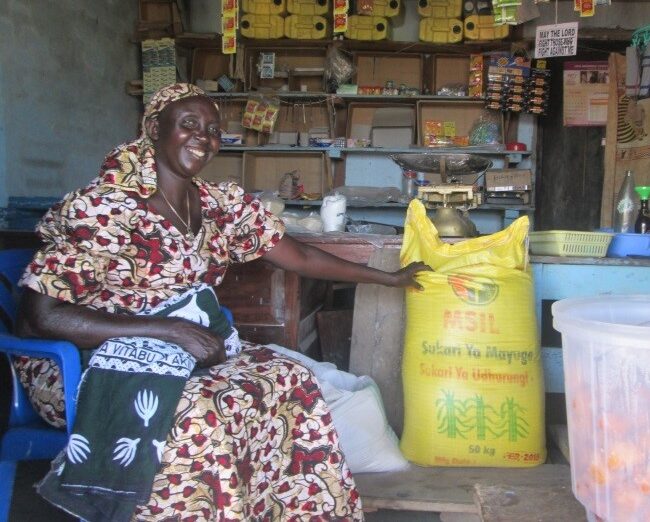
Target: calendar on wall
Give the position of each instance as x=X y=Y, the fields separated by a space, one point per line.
x=585 y=93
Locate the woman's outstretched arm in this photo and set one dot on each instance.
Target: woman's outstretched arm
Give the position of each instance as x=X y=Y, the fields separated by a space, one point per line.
x=313 y=262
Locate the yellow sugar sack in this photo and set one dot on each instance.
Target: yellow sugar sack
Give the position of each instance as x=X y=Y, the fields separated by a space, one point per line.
x=472 y=373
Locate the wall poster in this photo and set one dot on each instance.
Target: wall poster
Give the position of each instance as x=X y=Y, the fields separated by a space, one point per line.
x=586 y=91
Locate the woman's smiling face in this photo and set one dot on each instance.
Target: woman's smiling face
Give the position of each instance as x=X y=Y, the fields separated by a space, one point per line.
x=186 y=135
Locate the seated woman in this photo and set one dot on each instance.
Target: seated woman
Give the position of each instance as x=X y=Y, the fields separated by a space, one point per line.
x=251 y=437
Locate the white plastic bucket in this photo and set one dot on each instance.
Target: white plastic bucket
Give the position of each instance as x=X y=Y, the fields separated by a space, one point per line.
x=606 y=351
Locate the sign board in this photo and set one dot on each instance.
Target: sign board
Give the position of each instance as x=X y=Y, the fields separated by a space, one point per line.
x=586 y=93
x=556 y=40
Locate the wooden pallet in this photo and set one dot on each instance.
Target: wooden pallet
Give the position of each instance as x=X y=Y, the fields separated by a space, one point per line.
x=542 y=494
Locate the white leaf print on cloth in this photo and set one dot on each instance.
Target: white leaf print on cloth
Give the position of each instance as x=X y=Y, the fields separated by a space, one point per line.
x=77 y=449
x=160 y=446
x=146 y=404
x=125 y=450
x=192 y=312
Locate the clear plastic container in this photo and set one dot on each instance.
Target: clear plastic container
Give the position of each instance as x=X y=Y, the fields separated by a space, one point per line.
x=606 y=350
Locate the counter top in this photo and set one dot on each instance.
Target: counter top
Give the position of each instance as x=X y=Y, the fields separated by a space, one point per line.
x=358 y=247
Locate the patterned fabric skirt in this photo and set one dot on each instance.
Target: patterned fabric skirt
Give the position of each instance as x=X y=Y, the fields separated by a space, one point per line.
x=252 y=440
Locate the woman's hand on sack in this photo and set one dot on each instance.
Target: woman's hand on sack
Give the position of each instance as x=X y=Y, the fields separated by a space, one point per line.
x=405 y=277
x=203 y=344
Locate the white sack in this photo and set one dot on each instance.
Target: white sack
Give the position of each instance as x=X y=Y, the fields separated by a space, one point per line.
x=367 y=440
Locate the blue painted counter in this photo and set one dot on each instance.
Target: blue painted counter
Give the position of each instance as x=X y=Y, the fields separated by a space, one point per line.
x=564 y=277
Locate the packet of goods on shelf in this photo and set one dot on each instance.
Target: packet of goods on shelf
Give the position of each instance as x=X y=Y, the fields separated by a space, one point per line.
x=340 y=16
x=445 y=141
x=453 y=89
x=229 y=25
x=338 y=68
x=258 y=117
x=475 y=80
x=271 y=115
x=249 y=112
x=260 y=114
x=486 y=130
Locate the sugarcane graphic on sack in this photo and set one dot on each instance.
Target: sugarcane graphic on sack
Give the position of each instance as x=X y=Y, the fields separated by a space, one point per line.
x=473 y=418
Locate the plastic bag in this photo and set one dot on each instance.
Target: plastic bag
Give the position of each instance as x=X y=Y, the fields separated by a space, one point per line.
x=367 y=440
x=338 y=68
x=453 y=89
x=486 y=129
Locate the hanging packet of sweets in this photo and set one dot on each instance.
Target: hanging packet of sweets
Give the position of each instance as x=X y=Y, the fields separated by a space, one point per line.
x=249 y=112
x=271 y=115
x=587 y=8
x=229 y=24
x=258 y=118
x=340 y=16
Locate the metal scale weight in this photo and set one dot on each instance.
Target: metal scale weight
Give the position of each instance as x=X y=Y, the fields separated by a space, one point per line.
x=451 y=198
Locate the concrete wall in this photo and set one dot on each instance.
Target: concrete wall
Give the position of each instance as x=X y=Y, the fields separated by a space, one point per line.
x=63 y=106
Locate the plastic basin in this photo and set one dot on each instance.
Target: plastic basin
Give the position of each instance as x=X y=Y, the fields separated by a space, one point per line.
x=606 y=351
x=624 y=245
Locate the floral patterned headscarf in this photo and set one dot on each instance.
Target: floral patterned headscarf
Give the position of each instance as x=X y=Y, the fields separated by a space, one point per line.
x=132 y=165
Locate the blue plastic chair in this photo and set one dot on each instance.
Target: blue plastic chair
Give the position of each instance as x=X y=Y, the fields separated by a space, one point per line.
x=28 y=437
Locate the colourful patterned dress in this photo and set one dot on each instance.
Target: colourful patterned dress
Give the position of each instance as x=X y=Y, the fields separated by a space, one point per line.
x=252 y=438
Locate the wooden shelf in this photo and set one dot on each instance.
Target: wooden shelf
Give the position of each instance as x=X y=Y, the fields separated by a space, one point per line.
x=395 y=205
x=336 y=152
x=347 y=97
x=543 y=492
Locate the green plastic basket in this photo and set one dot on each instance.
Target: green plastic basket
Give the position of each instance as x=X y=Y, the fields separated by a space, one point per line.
x=569 y=243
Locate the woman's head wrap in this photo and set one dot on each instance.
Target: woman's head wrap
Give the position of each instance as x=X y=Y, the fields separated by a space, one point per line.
x=132 y=166
x=168 y=95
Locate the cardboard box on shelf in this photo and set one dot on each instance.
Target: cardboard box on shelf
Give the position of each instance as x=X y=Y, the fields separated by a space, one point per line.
x=164 y=16
x=462 y=115
x=442 y=71
x=378 y=68
x=228 y=138
x=361 y=121
x=223 y=167
x=284 y=138
x=209 y=64
x=289 y=62
x=508 y=180
x=263 y=171
x=392 y=127
x=301 y=118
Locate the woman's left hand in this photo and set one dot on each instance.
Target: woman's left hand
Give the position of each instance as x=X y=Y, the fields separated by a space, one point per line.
x=405 y=277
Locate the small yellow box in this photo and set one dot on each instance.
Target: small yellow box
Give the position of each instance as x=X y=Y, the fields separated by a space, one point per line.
x=305 y=27
x=441 y=30
x=308 y=7
x=262 y=26
x=369 y=28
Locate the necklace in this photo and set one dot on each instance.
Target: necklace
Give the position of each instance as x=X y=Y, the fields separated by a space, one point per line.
x=189 y=235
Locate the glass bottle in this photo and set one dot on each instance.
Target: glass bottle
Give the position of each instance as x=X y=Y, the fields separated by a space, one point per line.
x=642 y=225
x=627 y=206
